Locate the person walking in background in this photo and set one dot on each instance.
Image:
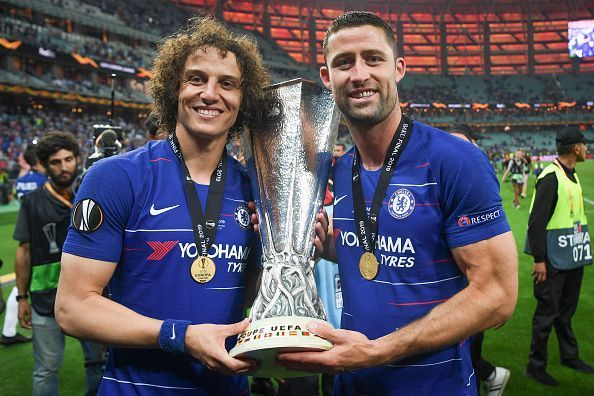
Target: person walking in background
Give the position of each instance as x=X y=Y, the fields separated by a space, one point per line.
x=558 y=238
x=40 y=229
x=516 y=169
x=34 y=178
x=528 y=168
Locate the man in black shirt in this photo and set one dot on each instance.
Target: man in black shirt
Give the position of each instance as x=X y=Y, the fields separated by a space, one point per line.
x=41 y=228
x=558 y=239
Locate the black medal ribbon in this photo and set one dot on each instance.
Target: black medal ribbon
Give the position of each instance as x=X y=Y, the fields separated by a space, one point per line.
x=367 y=226
x=204 y=225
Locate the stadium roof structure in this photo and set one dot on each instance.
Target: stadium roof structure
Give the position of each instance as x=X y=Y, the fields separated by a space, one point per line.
x=447 y=37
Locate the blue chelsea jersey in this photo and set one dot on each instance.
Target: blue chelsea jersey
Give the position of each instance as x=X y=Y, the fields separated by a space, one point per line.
x=132 y=211
x=443 y=194
x=29 y=182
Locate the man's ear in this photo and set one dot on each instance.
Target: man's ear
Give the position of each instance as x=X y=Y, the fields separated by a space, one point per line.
x=400 y=69
x=325 y=77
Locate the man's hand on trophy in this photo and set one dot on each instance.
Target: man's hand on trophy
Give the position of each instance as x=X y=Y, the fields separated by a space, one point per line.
x=351 y=350
x=321 y=233
x=321 y=227
x=254 y=216
x=206 y=342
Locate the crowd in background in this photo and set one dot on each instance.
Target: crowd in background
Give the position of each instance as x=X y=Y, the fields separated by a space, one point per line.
x=37 y=32
x=19 y=129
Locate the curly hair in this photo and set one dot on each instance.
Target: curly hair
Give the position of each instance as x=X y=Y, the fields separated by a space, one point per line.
x=204 y=32
x=54 y=142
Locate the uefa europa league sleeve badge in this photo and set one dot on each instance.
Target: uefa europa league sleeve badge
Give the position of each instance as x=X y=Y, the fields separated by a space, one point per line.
x=289 y=161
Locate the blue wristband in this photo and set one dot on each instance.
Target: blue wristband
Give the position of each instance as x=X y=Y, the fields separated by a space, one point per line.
x=172 y=337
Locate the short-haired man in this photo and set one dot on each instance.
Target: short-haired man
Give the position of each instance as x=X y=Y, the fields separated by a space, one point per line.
x=41 y=229
x=167 y=226
x=339 y=150
x=33 y=178
x=465 y=132
x=152 y=127
x=434 y=261
x=559 y=240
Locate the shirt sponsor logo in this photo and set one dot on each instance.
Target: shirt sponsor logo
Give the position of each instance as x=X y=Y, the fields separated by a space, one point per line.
x=242 y=216
x=402 y=246
x=87 y=216
x=219 y=250
x=237 y=253
x=479 y=218
x=385 y=243
x=401 y=204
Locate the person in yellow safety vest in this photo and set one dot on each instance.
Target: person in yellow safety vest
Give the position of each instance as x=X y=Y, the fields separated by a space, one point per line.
x=558 y=239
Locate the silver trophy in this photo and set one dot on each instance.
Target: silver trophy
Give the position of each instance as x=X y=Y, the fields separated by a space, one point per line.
x=50 y=234
x=290 y=158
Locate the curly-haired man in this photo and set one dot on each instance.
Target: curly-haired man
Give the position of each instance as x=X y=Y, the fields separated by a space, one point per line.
x=167 y=227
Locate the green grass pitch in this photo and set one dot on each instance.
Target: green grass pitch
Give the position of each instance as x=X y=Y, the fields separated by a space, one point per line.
x=507 y=346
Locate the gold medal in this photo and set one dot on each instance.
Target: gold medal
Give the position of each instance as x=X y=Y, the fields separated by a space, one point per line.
x=203 y=269
x=368 y=265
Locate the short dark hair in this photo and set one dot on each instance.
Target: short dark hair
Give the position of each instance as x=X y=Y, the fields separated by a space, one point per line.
x=342 y=145
x=54 y=142
x=564 y=149
x=30 y=156
x=152 y=125
x=360 y=18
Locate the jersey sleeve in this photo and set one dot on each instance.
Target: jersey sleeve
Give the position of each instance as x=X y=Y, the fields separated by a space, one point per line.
x=21 y=228
x=100 y=212
x=470 y=198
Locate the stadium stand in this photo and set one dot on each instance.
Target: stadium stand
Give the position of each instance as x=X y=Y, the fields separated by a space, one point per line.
x=56 y=57
x=500 y=66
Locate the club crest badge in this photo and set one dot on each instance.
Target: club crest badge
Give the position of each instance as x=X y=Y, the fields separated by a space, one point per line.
x=242 y=216
x=401 y=204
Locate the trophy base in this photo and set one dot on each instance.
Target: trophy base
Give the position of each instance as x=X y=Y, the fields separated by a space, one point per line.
x=265 y=338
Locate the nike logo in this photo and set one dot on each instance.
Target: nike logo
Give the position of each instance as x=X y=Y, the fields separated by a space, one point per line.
x=156 y=212
x=173 y=331
x=337 y=200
